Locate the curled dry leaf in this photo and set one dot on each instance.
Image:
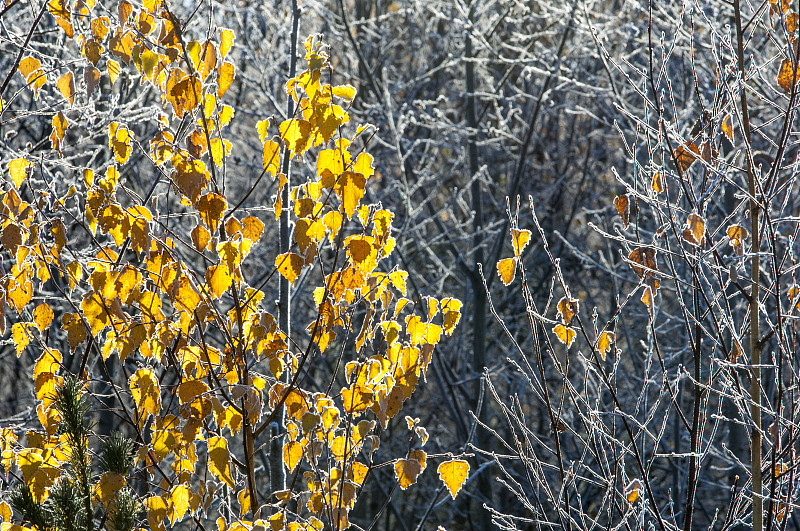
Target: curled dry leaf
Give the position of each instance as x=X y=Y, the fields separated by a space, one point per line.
x=621 y=204
x=657 y=183
x=788 y=76
x=568 y=308
x=643 y=259
x=605 y=342
x=633 y=490
x=737 y=235
x=695 y=230
x=685 y=155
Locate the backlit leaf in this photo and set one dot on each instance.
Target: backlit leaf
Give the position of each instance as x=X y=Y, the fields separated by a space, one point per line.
x=289 y=265
x=107 y=487
x=604 y=343
x=18 y=168
x=685 y=155
x=292 y=454
x=66 y=85
x=219 y=459
x=695 y=230
x=146 y=392
x=519 y=240
x=633 y=490
x=406 y=471
x=453 y=474
x=43 y=316
x=506 y=269
x=621 y=204
x=565 y=334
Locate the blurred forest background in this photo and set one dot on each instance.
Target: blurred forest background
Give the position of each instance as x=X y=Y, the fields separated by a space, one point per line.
x=608 y=129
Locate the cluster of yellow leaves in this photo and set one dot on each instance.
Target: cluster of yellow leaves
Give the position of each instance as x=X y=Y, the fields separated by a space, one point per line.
x=507 y=267
x=158 y=307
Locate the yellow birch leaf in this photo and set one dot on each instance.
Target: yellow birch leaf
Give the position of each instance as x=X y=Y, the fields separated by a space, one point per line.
x=453 y=474
x=604 y=343
x=633 y=490
x=211 y=207
x=296 y=135
x=227 y=73
x=226 y=38
x=66 y=85
x=271 y=157
x=695 y=230
x=178 y=503
x=146 y=392
x=21 y=336
x=113 y=70
x=289 y=265
x=60 y=125
x=567 y=309
x=506 y=269
x=219 y=279
x=519 y=240
x=43 y=316
x=220 y=149
x=658 y=183
x=219 y=459
x=346 y=92
x=19 y=171
x=292 y=454
x=252 y=227
x=350 y=189
x=564 y=334
x=107 y=487
x=200 y=237
x=621 y=204
x=406 y=472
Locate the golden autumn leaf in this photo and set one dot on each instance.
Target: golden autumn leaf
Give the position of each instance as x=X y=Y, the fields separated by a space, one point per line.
x=219 y=459
x=107 y=487
x=695 y=230
x=292 y=454
x=657 y=183
x=226 y=38
x=633 y=491
x=296 y=135
x=18 y=168
x=66 y=85
x=406 y=472
x=787 y=75
x=43 y=316
x=685 y=155
x=453 y=474
x=506 y=269
x=621 y=204
x=219 y=279
x=604 y=343
x=227 y=73
x=727 y=127
x=21 y=335
x=289 y=265
x=146 y=392
x=179 y=496
x=565 y=334
x=568 y=308
x=200 y=237
x=519 y=240
x=737 y=235
x=350 y=189
x=119 y=140
x=643 y=259
x=211 y=208
x=60 y=125
x=31 y=70
x=346 y=92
